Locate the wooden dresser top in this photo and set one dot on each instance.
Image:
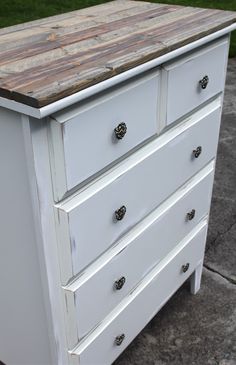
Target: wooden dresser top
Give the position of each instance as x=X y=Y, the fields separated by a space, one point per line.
x=45 y=60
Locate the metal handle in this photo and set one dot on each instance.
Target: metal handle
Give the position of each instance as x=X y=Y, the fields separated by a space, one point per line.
x=191 y=215
x=204 y=82
x=120 y=213
x=120 y=130
x=185 y=267
x=197 y=151
x=120 y=283
x=119 y=339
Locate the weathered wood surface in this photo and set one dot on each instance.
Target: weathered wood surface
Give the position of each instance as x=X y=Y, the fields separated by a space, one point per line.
x=47 y=59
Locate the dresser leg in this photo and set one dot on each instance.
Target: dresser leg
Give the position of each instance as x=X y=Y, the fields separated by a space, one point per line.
x=195 y=279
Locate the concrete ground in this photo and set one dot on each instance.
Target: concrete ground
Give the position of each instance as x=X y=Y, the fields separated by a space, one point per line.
x=201 y=329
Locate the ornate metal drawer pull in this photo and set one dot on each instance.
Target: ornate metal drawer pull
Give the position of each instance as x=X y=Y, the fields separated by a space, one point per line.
x=197 y=151
x=119 y=339
x=191 y=215
x=204 y=82
x=185 y=267
x=120 y=283
x=120 y=213
x=120 y=130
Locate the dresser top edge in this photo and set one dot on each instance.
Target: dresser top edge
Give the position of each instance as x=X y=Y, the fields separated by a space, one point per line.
x=47 y=110
x=47 y=60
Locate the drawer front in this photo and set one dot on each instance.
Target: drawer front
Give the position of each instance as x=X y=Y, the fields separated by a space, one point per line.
x=86 y=140
x=151 y=242
x=182 y=79
x=137 y=309
x=87 y=224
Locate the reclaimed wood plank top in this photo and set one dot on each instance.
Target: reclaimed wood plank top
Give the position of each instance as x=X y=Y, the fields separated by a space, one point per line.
x=48 y=59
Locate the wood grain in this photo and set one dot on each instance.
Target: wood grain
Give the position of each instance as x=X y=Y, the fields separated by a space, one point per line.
x=48 y=59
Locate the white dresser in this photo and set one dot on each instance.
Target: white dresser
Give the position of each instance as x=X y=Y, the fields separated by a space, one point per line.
x=109 y=121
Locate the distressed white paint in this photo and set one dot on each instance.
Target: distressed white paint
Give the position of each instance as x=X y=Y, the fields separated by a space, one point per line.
x=150 y=242
x=45 y=244
x=143 y=303
x=181 y=78
x=83 y=138
x=141 y=183
x=43 y=205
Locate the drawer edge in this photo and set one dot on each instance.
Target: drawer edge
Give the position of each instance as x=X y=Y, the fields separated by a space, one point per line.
x=88 y=340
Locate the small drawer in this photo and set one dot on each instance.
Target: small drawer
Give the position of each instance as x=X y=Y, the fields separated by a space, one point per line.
x=111 y=279
x=193 y=79
x=86 y=139
x=94 y=219
x=114 y=334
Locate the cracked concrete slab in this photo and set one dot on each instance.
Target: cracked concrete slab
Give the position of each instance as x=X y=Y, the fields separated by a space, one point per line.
x=221 y=256
x=221 y=241
x=201 y=329
x=190 y=329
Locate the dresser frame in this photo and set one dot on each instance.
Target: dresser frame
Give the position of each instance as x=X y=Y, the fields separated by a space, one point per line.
x=37 y=201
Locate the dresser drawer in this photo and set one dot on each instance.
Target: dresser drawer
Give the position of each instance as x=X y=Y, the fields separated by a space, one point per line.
x=192 y=80
x=112 y=277
x=142 y=304
x=86 y=139
x=87 y=224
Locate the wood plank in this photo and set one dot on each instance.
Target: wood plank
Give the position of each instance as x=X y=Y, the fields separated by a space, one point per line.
x=48 y=59
x=96 y=46
x=92 y=11
x=71 y=23
x=98 y=54
x=102 y=51
x=53 y=41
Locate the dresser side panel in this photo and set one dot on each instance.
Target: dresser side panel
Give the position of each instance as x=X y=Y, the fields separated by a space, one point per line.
x=24 y=335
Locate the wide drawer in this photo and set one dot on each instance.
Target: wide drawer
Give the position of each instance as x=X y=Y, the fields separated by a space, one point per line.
x=136 y=310
x=87 y=224
x=111 y=278
x=193 y=79
x=86 y=139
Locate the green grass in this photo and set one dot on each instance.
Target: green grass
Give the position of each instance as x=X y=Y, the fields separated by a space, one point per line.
x=19 y=11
